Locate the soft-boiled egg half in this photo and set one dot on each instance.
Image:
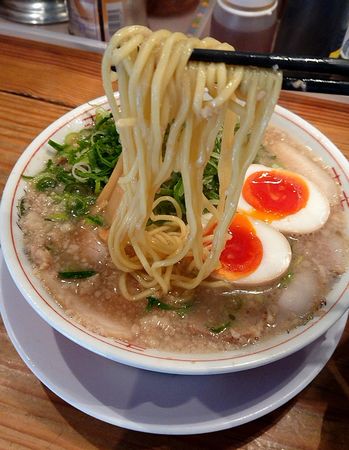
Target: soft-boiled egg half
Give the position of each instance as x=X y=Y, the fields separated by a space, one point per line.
x=287 y=201
x=255 y=253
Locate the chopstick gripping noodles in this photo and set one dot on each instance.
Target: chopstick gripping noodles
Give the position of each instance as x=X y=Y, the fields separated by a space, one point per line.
x=168 y=113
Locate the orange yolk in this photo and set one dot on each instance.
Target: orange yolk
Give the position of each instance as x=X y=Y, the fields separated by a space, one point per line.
x=242 y=253
x=275 y=194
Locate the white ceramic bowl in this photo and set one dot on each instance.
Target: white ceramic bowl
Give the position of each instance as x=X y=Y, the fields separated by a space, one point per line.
x=248 y=357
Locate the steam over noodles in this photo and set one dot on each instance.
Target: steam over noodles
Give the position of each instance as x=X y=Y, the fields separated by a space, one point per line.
x=170 y=114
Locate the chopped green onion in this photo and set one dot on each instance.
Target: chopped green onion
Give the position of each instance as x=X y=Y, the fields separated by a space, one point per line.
x=76 y=275
x=154 y=302
x=59 y=217
x=220 y=328
x=77 y=206
x=101 y=121
x=55 y=145
x=95 y=219
x=178 y=189
x=43 y=183
x=72 y=139
x=224 y=326
x=76 y=188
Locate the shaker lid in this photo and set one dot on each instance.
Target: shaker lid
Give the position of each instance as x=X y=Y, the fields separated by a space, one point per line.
x=250 y=4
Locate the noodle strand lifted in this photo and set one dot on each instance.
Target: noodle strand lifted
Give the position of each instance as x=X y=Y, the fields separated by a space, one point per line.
x=170 y=113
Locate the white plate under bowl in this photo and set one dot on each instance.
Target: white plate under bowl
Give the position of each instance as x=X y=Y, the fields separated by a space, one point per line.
x=262 y=353
x=155 y=402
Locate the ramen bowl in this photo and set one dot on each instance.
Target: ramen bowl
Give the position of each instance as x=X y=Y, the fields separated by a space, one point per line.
x=265 y=351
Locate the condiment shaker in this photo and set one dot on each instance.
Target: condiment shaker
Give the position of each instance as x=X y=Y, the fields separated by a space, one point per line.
x=248 y=25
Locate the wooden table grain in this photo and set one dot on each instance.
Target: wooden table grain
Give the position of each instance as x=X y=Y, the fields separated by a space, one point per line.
x=39 y=83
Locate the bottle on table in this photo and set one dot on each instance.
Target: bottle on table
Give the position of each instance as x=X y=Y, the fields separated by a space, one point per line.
x=99 y=19
x=248 y=25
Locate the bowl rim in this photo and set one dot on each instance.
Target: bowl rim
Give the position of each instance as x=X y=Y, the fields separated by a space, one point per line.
x=127 y=353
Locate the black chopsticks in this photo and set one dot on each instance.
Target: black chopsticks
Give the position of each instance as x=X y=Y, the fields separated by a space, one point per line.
x=306 y=74
x=315 y=84
x=282 y=62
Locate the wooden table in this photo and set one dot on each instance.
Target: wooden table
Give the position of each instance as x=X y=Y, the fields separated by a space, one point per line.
x=38 y=83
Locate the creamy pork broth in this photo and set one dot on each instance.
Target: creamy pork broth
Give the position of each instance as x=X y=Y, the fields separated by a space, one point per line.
x=206 y=319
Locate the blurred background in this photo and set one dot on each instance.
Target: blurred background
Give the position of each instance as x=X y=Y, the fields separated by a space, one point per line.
x=294 y=27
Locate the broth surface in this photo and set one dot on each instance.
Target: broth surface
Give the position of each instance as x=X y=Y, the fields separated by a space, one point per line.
x=203 y=320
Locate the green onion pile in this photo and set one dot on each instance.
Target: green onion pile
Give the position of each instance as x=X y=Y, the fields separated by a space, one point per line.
x=80 y=169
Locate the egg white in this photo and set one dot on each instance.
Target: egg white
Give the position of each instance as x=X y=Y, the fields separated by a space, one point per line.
x=308 y=219
x=276 y=257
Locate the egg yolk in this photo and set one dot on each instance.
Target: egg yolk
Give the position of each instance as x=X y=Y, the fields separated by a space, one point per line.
x=243 y=252
x=275 y=194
